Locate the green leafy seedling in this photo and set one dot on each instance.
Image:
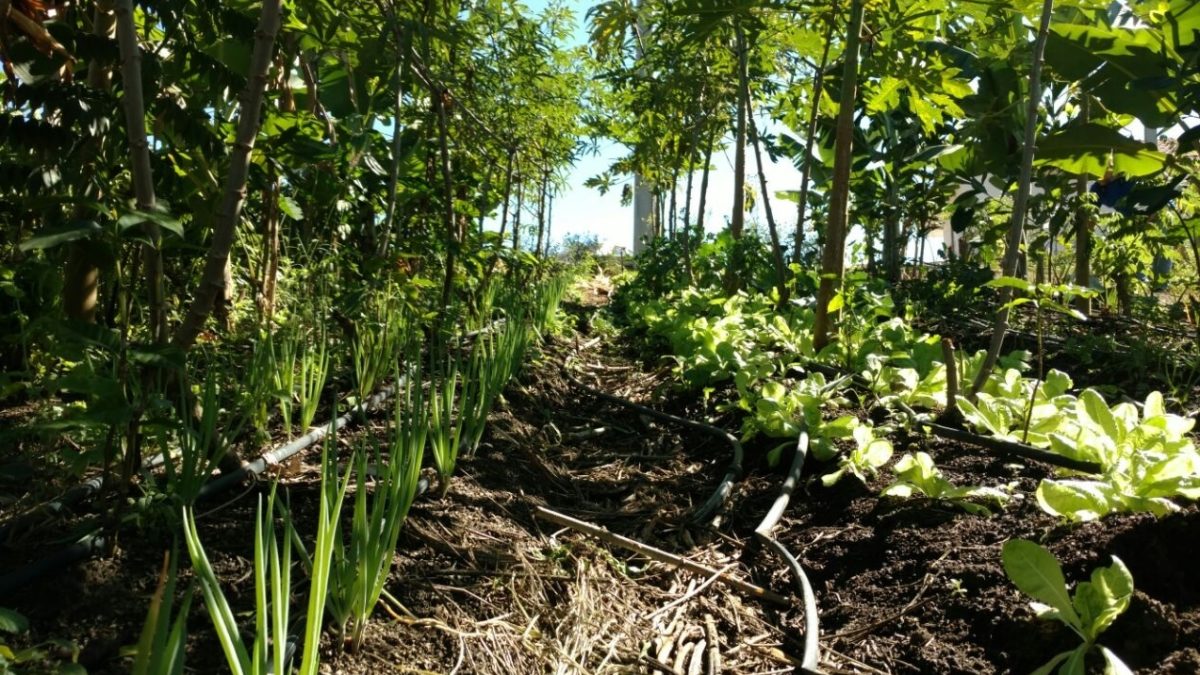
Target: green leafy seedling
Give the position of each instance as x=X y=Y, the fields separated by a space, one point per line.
x=917 y=474
x=1089 y=611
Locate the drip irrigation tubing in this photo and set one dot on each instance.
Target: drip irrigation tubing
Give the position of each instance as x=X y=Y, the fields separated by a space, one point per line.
x=732 y=474
x=811 y=660
x=94 y=543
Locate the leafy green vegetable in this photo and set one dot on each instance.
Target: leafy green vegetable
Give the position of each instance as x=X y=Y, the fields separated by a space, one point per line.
x=1093 y=607
x=916 y=474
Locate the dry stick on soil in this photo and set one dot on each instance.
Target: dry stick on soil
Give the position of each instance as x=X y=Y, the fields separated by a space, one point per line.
x=657 y=554
x=732 y=473
x=692 y=593
x=714 y=645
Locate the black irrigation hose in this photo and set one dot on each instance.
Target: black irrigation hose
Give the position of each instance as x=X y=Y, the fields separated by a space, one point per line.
x=811 y=660
x=732 y=474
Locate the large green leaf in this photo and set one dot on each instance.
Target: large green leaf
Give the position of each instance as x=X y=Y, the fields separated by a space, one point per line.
x=61 y=234
x=1035 y=571
x=1086 y=148
x=1129 y=70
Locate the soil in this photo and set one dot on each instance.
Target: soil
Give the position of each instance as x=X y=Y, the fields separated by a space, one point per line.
x=481 y=585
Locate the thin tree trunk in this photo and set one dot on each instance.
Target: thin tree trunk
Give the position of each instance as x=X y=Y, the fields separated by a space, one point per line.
x=1020 y=202
x=81 y=276
x=810 y=140
x=389 y=219
x=517 y=215
x=143 y=173
x=834 y=254
x=687 y=207
x=271 y=248
x=776 y=247
x=542 y=213
x=1083 y=236
x=549 y=220
x=452 y=240
x=708 y=153
x=225 y=227
x=738 y=218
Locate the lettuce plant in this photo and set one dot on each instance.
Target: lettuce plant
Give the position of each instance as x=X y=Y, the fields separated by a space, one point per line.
x=1088 y=612
x=916 y=474
x=1147 y=459
x=869 y=454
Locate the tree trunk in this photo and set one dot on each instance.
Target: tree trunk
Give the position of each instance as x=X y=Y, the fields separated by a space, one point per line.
x=781 y=279
x=834 y=254
x=700 y=208
x=685 y=240
x=81 y=276
x=143 y=173
x=517 y=215
x=809 y=141
x=1083 y=237
x=537 y=251
x=389 y=219
x=738 y=218
x=1020 y=202
x=452 y=240
x=213 y=277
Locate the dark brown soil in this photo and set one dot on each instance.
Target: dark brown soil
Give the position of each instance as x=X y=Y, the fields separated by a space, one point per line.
x=482 y=586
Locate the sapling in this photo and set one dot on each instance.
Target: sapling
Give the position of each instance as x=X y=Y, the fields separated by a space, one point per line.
x=1088 y=612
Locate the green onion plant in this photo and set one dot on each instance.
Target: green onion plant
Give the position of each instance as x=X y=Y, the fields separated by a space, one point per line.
x=314 y=371
x=272 y=583
x=445 y=427
x=361 y=567
x=283 y=349
x=160 y=647
x=201 y=446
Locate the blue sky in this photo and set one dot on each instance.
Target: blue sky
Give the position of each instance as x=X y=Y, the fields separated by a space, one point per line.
x=584 y=211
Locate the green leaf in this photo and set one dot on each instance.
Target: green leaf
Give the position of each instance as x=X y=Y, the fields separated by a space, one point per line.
x=1104 y=598
x=836 y=303
x=1086 y=149
x=1077 y=500
x=1092 y=408
x=61 y=234
x=1010 y=282
x=161 y=218
x=1113 y=665
x=1037 y=573
x=1048 y=667
x=13 y=622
